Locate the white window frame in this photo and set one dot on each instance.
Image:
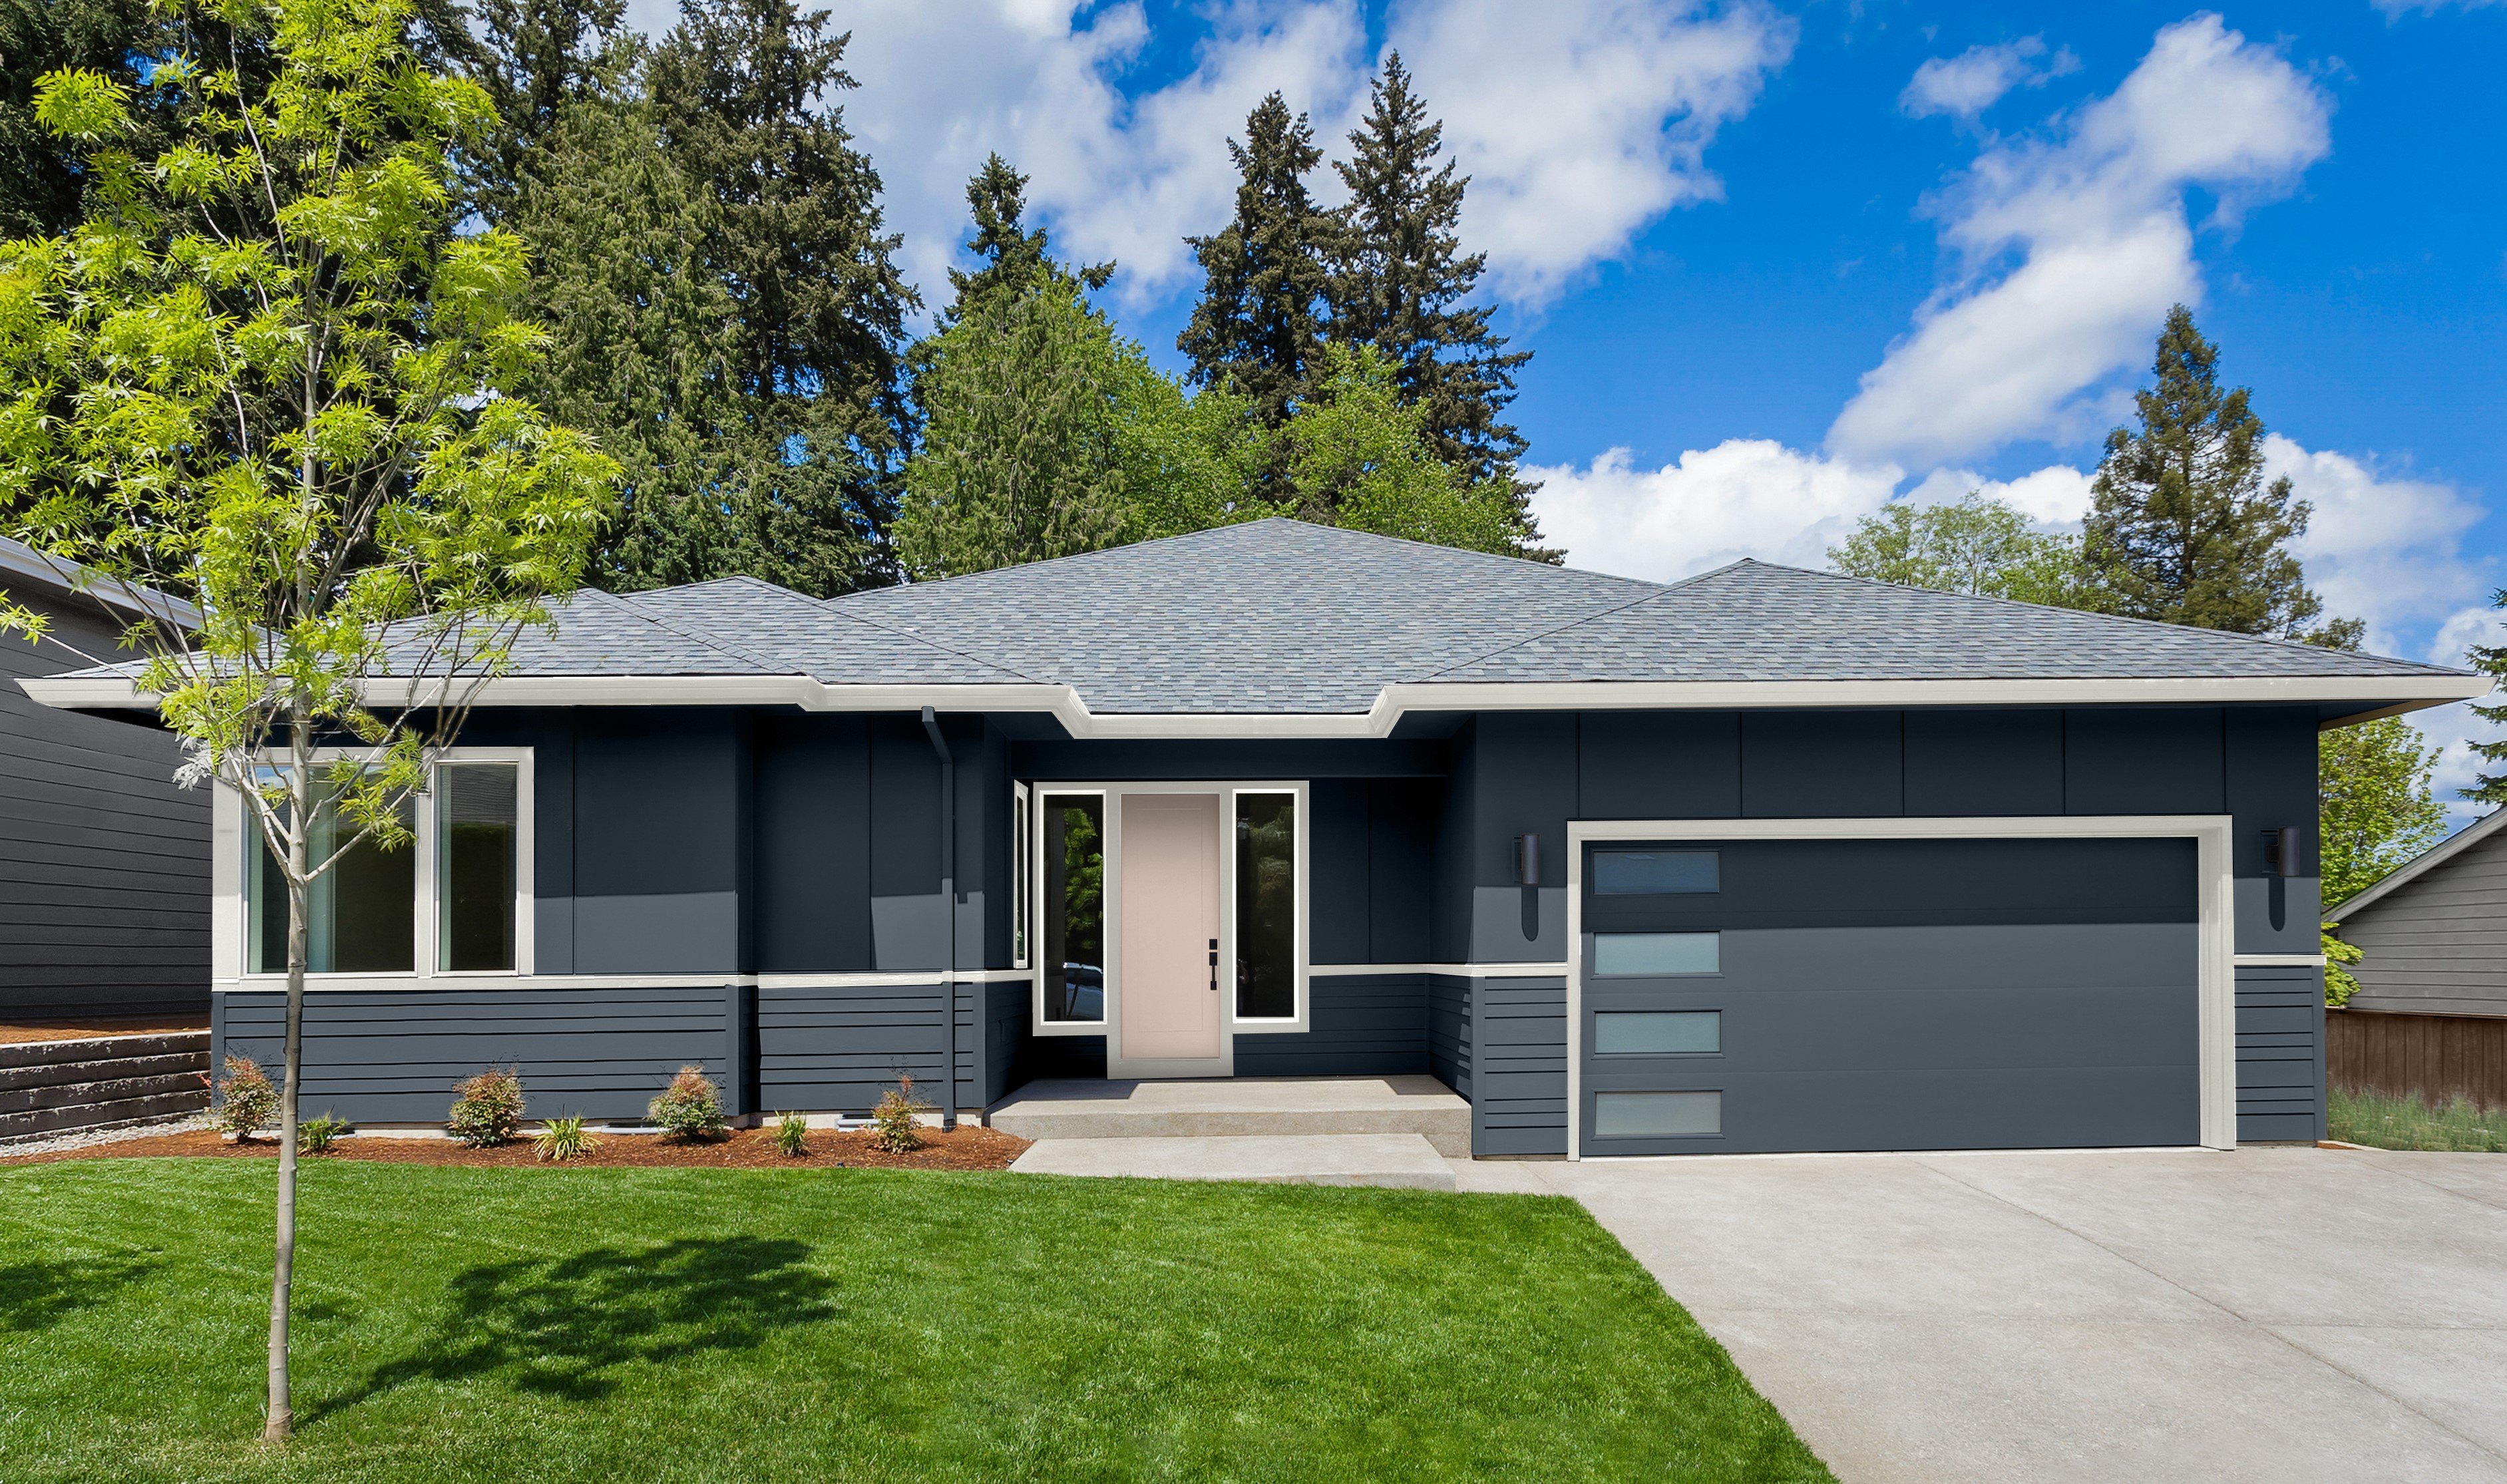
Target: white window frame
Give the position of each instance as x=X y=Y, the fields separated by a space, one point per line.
x=2215 y=978
x=237 y=842
x=1231 y=1025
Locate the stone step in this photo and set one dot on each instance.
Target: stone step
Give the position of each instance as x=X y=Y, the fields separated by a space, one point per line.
x=99 y=1048
x=1248 y=1108
x=190 y=1063
x=1405 y=1161
x=114 y=1113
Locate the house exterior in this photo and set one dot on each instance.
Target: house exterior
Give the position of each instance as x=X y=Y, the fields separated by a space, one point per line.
x=1767 y=859
x=2435 y=931
x=104 y=863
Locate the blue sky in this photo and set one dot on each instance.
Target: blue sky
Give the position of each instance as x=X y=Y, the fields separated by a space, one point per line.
x=1783 y=261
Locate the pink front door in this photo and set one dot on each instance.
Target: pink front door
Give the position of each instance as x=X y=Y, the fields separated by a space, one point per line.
x=1170 y=864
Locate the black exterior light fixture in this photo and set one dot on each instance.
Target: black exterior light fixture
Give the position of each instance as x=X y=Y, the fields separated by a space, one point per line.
x=2285 y=854
x=1527 y=874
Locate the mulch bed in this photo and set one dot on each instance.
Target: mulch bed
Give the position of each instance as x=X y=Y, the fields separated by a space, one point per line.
x=971 y=1147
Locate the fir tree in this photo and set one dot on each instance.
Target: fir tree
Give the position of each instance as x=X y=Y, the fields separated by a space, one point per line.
x=41 y=185
x=2491 y=660
x=2182 y=527
x=1401 y=284
x=1260 y=323
x=536 y=60
x=1013 y=256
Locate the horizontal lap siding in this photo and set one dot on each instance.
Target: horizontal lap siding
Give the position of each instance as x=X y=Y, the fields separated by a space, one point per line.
x=104 y=863
x=1519 y=1066
x=1361 y=1025
x=2437 y=945
x=836 y=1050
x=2281 y=1059
x=1449 y=1031
x=391 y=1057
x=2434 y=1057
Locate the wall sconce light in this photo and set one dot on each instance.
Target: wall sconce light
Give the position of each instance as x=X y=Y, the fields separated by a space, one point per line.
x=2285 y=850
x=1527 y=860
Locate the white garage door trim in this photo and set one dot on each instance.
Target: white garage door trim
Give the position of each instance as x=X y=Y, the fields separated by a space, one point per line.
x=2216 y=1045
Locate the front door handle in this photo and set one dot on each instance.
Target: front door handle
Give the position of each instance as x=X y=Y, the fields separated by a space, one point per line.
x=1213 y=965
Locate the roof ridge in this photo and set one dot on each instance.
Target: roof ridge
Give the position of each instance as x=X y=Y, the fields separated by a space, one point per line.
x=2299 y=645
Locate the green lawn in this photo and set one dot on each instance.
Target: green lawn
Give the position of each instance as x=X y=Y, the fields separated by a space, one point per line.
x=2407 y=1123
x=661 y=1324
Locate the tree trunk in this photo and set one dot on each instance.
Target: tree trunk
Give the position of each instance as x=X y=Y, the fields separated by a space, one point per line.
x=282 y=1275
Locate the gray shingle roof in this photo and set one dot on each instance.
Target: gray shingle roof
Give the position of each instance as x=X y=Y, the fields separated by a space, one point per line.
x=1279 y=617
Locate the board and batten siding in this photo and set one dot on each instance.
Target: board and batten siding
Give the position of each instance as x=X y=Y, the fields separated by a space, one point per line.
x=2437 y=945
x=104 y=863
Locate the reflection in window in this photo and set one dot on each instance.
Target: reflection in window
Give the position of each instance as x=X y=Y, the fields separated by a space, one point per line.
x=1658 y=953
x=1074 y=906
x=1266 y=906
x=361 y=915
x=1657 y=1115
x=1653 y=872
x=478 y=808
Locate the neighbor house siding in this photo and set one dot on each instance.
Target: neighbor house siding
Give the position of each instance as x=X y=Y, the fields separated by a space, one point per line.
x=2438 y=944
x=104 y=863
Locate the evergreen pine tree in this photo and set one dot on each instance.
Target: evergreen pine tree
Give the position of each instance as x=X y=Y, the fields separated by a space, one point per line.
x=536 y=59
x=1400 y=282
x=1260 y=323
x=1013 y=256
x=2182 y=527
x=2489 y=789
x=42 y=187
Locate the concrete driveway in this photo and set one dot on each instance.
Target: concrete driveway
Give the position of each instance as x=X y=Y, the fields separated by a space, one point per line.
x=2274 y=1314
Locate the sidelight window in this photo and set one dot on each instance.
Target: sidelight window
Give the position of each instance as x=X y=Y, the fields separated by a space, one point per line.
x=1073 y=847
x=1266 y=906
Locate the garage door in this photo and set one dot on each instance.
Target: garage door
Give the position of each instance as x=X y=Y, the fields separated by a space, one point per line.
x=1763 y=995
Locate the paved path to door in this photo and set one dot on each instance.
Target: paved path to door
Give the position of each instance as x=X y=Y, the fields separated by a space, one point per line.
x=2282 y=1315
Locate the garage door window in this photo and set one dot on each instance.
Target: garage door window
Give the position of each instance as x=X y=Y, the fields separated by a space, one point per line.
x=1653 y=872
x=1658 y=953
x=1657 y=1115
x=1657 y=1032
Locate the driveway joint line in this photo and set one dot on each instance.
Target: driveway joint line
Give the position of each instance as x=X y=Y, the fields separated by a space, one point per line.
x=2339 y=1368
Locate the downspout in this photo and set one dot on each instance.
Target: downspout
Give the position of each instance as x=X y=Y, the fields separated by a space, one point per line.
x=949 y=915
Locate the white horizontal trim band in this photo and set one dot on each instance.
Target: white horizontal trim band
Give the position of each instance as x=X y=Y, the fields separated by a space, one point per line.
x=1456 y=970
x=466 y=982
x=2276 y=961
x=1391 y=702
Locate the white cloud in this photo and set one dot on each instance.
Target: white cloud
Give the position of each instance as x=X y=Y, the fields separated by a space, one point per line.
x=2096 y=219
x=1743 y=497
x=1578 y=122
x=2382 y=549
x=2057 y=494
x=1974 y=81
x=2396 y=9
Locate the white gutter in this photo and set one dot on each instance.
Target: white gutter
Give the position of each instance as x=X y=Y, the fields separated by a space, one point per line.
x=1393 y=701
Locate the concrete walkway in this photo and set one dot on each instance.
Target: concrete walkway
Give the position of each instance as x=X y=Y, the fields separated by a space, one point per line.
x=2281 y=1315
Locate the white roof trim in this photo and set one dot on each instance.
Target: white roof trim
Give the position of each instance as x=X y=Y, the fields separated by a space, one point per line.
x=1392 y=704
x=2413 y=870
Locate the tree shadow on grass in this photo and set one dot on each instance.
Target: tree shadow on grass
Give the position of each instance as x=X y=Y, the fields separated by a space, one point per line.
x=560 y=1327
x=39 y=1294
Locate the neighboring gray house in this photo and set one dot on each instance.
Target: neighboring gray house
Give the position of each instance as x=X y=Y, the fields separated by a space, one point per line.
x=104 y=863
x=2435 y=931
x=1766 y=859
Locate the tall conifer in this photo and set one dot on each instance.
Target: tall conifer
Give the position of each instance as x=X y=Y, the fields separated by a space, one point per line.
x=2182 y=527
x=1260 y=322
x=1400 y=282
x=535 y=60
x=1013 y=255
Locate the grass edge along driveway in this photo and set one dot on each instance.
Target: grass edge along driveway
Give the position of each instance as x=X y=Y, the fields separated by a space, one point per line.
x=596 y=1325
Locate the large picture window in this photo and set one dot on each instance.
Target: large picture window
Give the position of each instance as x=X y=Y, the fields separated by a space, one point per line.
x=452 y=899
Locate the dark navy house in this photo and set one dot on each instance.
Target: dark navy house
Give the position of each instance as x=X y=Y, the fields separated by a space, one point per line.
x=1767 y=859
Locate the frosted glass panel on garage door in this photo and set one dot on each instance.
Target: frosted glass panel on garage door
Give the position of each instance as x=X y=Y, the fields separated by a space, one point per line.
x=1656 y=953
x=1657 y=1115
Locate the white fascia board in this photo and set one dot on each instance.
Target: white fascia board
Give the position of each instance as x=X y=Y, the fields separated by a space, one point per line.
x=1391 y=702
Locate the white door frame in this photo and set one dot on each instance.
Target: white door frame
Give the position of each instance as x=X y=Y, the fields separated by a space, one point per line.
x=1118 y=1065
x=2216 y=1038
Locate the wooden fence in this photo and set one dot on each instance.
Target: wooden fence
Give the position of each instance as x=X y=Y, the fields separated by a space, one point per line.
x=2436 y=1056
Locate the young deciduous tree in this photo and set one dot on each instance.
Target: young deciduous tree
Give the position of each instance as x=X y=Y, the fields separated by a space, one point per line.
x=1360 y=458
x=1982 y=546
x=1400 y=282
x=264 y=374
x=1258 y=326
x=2182 y=527
x=2374 y=806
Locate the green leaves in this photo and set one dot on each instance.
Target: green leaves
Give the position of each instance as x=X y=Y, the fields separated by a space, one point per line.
x=81 y=103
x=2375 y=805
x=1978 y=545
x=1358 y=457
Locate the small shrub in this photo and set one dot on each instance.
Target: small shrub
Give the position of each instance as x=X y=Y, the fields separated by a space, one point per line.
x=792 y=1134
x=564 y=1139
x=316 y=1136
x=893 y=1120
x=689 y=1107
x=250 y=1102
x=488 y=1111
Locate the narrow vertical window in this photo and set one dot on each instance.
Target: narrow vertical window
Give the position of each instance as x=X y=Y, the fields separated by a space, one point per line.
x=1023 y=886
x=1266 y=906
x=1073 y=858
x=362 y=914
x=479 y=830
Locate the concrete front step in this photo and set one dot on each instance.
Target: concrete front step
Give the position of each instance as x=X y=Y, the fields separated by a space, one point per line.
x=1243 y=1107
x=1405 y=1161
